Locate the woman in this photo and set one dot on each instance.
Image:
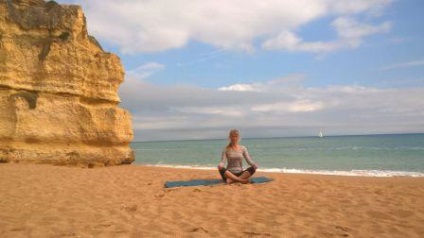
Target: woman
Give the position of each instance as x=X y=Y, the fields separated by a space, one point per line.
x=233 y=154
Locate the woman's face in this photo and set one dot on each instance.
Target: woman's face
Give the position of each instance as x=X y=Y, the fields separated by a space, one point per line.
x=234 y=138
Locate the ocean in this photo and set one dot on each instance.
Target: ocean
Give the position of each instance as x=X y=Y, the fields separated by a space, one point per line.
x=362 y=155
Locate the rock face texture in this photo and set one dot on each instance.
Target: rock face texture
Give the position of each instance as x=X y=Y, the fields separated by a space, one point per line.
x=58 y=89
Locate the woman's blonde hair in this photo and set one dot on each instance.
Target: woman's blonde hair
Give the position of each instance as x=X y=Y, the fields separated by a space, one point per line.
x=233 y=132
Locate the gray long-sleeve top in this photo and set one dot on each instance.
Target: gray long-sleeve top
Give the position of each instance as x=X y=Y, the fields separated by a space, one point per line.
x=234 y=158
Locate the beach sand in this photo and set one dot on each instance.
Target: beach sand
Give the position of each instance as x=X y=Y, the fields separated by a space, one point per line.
x=131 y=201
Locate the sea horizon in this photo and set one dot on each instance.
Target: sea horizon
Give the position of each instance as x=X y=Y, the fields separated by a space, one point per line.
x=279 y=137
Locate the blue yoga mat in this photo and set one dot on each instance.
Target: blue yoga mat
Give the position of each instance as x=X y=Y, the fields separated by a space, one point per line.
x=209 y=182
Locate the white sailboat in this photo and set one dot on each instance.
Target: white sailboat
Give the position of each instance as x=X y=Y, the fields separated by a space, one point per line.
x=320 y=135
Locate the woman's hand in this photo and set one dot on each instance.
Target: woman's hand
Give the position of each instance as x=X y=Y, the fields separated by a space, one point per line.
x=255 y=166
x=220 y=165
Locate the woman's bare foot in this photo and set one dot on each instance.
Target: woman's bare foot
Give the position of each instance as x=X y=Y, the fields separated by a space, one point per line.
x=245 y=181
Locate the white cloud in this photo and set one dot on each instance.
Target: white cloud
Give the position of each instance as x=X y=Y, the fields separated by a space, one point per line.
x=228 y=111
x=279 y=109
x=295 y=106
x=348 y=28
x=152 y=26
x=145 y=70
x=240 y=88
x=350 y=35
x=291 y=42
x=151 y=66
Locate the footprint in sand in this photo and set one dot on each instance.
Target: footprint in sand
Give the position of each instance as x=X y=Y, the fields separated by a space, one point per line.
x=199 y=229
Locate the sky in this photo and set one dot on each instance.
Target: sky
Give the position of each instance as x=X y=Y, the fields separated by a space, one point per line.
x=196 y=69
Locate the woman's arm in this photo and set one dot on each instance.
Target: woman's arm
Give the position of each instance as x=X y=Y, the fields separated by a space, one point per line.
x=223 y=159
x=248 y=159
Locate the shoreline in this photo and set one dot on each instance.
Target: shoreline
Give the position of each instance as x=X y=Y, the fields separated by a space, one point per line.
x=351 y=173
x=131 y=201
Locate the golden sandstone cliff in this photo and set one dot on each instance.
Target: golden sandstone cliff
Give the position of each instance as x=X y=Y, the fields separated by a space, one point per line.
x=58 y=89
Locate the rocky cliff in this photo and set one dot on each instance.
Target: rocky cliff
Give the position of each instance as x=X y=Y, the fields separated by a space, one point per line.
x=58 y=89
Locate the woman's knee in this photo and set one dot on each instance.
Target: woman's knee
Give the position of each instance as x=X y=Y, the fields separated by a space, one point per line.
x=251 y=170
x=222 y=173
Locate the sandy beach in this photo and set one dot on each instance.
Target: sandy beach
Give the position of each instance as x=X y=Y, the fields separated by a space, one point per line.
x=131 y=201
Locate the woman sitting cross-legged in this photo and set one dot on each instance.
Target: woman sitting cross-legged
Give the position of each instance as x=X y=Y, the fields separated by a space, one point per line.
x=233 y=155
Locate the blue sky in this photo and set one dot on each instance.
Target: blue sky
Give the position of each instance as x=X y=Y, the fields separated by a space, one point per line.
x=195 y=69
